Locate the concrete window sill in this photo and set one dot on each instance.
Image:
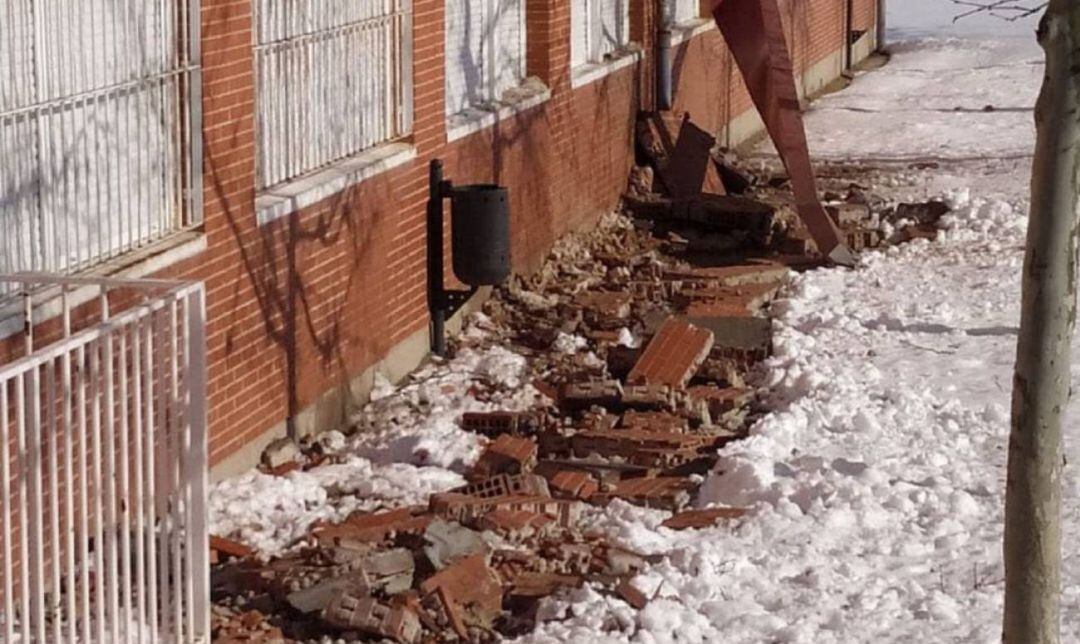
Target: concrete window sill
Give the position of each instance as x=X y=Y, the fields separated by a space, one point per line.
x=685 y=31
x=530 y=94
x=138 y=263
x=287 y=198
x=592 y=72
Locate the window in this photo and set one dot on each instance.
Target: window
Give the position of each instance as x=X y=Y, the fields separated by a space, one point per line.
x=99 y=151
x=334 y=79
x=598 y=28
x=485 y=51
x=677 y=12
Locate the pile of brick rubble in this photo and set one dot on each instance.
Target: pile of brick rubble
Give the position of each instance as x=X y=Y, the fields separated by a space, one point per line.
x=637 y=420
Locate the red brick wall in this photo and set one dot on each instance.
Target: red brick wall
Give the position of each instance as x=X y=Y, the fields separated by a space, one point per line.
x=301 y=305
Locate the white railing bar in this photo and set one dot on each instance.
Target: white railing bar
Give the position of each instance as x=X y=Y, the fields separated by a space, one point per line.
x=31 y=277
x=109 y=492
x=86 y=335
x=84 y=519
x=24 y=540
x=198 y=467
x=8 y=573
x=137 y=499
x=151 y=509
x=163 y=456
x=123 y=522
x=56 y=560
x=98 y=539
x=329 y=33
x=37 y=509
x=175 y=492
x=69 y=483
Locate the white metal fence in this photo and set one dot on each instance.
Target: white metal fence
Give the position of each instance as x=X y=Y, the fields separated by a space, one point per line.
x=99 y=150
x=334 y=78
x=103 y=465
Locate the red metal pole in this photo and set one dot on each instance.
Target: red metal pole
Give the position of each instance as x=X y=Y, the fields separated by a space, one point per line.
x=755 y=34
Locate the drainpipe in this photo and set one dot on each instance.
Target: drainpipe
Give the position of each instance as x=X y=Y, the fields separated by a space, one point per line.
x=849 y=27
x=664 y=92
x=881 y=25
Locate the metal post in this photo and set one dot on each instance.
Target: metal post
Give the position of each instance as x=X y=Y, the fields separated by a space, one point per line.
x=436 y=290
x=881 y=10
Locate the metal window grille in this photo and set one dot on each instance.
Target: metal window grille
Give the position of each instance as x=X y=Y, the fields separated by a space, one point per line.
x=598 y=28
x=485 y=51
x=334 y=79
x=99 y=138
x=103 y=466
x=681 y=11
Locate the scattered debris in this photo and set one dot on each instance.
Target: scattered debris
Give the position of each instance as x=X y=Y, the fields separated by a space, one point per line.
x=618 y=418
x=692 y=519
x=673 y=356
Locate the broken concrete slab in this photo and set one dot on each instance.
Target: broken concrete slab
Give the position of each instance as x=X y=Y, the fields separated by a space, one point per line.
x=673 y=355
x=758 y=272
x=847 y=215
x=280 y=453
x=447 y=542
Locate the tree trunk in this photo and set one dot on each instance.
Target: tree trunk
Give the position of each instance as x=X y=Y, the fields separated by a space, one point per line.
x=1041 y=381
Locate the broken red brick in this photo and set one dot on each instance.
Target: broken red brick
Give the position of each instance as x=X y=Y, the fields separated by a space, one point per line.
x=643 y=447
x=582 y=395
x=469 y=509
x=673 y=355
x=374 y=528
x=506 y=485
x=506 y=455
x=607 y=304
x=519 y=524
x=654 y=421
x=469 y=591
x=367 y=615
x=493 y=423
x=665 y=492
x=569 y=484
x=693 y=519
x=631 y=595
x=533 y=585
x=229 y=548
x=721 y=400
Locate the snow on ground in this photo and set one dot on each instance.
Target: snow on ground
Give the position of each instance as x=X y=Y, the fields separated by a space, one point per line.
x=877 y=482
x=410 y=447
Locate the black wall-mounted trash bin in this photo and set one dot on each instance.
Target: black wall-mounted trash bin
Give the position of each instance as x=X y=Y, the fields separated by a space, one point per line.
x=480 y=234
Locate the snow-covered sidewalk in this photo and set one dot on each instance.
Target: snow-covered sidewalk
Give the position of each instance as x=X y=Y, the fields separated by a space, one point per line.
x=878 y=479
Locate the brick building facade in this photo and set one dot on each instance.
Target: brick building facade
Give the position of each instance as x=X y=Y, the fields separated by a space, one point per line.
x=318 y=281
